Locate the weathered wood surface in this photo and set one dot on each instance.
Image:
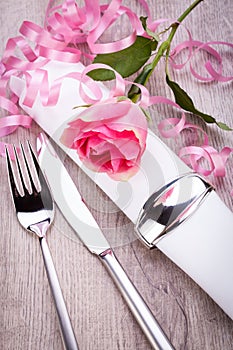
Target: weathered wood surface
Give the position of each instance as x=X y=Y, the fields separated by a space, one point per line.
x=100 y=317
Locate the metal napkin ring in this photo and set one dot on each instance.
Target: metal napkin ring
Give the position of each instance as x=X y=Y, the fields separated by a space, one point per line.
x=169 y=206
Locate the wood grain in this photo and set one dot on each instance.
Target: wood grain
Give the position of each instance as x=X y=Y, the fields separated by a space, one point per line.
x=100 y=316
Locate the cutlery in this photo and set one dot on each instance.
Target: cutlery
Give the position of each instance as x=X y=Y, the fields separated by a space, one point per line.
x=80 y=218
x=35 y=211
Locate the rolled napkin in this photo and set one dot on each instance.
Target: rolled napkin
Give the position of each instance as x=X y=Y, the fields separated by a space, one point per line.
x=201 y=244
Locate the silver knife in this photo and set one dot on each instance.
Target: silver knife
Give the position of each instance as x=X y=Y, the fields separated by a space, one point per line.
x=71 y=205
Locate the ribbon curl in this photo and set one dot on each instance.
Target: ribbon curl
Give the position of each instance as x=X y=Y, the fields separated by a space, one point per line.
x=76 y=25
x=194 y=48
x=193 y=155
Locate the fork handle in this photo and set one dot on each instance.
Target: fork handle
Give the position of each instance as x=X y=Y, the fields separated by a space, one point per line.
x=69 y=340
x=137 y=305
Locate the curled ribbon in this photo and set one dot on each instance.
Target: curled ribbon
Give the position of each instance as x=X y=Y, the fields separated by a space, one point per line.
x=194 y=155
x=194 y=48
x=73 y=24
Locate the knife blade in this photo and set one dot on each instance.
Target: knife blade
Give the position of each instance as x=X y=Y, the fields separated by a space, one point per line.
x=70 y=203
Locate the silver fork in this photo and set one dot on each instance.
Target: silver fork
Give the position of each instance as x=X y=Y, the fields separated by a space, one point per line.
x=35 y=212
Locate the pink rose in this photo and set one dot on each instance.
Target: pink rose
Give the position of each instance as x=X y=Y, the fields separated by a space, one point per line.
x=109 y=137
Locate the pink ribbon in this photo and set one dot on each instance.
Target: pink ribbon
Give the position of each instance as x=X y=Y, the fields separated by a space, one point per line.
x=73 y=24
x=194 y=155
x=194 y=48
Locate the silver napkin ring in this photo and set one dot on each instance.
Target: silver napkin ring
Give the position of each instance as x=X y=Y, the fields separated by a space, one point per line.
x=169 y=206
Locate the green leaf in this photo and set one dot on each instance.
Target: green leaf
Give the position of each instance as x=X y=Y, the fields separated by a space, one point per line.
x=185 y=102
x=224 y=126
x=125 y=62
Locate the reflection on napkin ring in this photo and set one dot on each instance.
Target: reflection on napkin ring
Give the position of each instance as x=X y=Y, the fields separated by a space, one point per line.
x=170 y=206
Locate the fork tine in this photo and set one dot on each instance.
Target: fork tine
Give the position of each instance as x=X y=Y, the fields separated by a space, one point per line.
x=45 y=190
x=14 y=188
x=43 y=182
x=33 y=186
x=20 y=171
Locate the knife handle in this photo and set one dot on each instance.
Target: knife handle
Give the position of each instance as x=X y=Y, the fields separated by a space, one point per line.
x=137 y=305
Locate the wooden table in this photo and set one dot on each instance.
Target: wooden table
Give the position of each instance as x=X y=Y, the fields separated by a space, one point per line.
x=100 y=317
